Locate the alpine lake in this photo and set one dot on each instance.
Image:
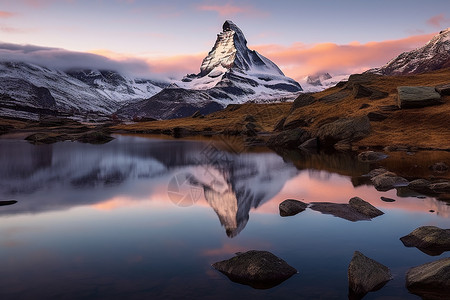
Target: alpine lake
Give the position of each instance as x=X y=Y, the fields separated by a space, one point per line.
x=145 y=218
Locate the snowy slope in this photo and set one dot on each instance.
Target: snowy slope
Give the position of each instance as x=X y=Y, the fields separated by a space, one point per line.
x=102 y=92
x=434 y=55
x=231 y=66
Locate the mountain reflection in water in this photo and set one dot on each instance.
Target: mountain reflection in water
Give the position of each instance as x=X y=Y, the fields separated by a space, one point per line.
x=64 y=175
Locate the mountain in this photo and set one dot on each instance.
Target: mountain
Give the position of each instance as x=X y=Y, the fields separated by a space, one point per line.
x=230 y=73
x=27 y=90
x=434 y=55
x=321 y=81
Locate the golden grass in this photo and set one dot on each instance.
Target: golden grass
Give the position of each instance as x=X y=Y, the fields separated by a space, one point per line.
x=427 y=127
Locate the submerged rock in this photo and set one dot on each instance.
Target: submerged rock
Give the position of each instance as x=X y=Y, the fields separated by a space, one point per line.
x=356 y=210
x=428 y=239
x=366 y=275
x=417 y=96
x=43 y=138
x=370 y=156
x=386 y=199
x=259 y=269
x=430 y=280
x=291 y=207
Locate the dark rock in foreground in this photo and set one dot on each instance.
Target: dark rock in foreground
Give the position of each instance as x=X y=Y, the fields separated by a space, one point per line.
x=95 y=137
x=356 y=210
x=7 y=202
x=302 y=100
x=370 y=156
x=365 y=275
x=386 y=199
x=443 y=89
x=349 y=129
x=417 y=96
x=289 y=139
x=387 y=181
x=291 y=207
x=428 y=239
x=361 y=91
x=259 y=269
x=43 y=138
x=364 y=207
x=377 y=116
x=440 y=167
x=431 y=280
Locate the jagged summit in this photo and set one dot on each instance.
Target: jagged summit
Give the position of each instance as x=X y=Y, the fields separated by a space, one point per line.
x=230 y=73
x=230 y=51
x=434 y=55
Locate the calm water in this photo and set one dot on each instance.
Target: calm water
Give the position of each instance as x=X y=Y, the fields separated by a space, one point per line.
x=120 y=221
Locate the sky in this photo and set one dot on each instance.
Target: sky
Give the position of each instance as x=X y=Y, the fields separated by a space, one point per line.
x=170 y=38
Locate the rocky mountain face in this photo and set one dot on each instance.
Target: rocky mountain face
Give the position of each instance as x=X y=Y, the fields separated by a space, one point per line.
x=27 y=90
x=317 y=79
x=321 y=81
x=434 y=55
x=230 y=73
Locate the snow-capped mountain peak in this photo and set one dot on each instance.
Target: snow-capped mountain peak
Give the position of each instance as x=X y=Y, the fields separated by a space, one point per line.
x=230 y=51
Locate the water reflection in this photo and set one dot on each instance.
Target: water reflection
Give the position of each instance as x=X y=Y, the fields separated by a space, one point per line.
x=98 y=221
x=65 y=175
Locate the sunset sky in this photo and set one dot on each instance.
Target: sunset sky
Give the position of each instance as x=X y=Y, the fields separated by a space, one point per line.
x=170 y=38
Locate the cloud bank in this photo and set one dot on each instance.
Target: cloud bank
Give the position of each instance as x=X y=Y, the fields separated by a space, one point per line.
x=65 y=60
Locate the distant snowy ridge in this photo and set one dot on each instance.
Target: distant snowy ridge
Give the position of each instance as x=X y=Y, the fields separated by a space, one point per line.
x=434 y=55
x=77 y=91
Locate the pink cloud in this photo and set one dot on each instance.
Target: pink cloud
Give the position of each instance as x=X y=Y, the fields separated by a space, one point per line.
x=299 y=60
x=230 y=9
x=438 y=21
x=6 y=14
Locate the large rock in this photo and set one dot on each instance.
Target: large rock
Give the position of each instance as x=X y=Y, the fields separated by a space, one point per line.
x=289 y=138
x=361 y=91
x=350 y=129
x=387 y=181
x=431 y=280
x=356 y=210
x=440 y=187
x=443 y=89
x=364 y=207
x=291 y=207
x=302 y=100
x=366 y=275
x=417 y=96
x=95 y=137
x=370 y=156
x=428 y=239
x=7 y=202
x=259 y=269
